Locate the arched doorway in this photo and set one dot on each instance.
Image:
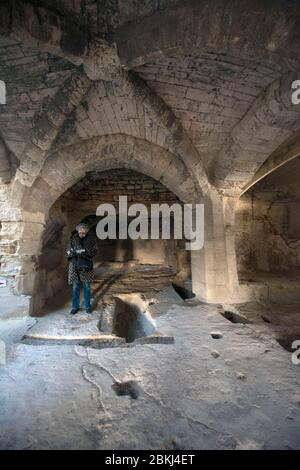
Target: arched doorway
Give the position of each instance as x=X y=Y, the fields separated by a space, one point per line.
x=268 y=235
x=121 y=265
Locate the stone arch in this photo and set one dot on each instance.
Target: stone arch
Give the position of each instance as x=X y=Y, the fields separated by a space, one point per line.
x=286 y=152
x=271 y=120
x=117 y=260
x=65 y=167
x=267 y=233
x=199 y=25
x=48 y=124
x=192 y=26
x=214 y=278
x=42 y=28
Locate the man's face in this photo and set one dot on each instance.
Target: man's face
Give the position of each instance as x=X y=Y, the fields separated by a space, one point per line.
x=82 y=232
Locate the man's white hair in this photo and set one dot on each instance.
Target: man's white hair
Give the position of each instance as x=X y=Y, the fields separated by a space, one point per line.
x=82 y=225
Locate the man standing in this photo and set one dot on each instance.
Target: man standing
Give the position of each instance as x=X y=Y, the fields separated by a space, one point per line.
x=81 y=251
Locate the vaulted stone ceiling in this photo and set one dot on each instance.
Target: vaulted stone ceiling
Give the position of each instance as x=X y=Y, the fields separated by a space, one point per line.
x=208 y=81
x=31 y=78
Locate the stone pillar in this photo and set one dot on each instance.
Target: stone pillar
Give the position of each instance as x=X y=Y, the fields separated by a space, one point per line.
x=229 y=207
x=23 y=235
x=20 y=244
x=20 y=238
x=214 y=269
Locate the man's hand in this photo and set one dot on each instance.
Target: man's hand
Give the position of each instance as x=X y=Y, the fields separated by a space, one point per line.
x=70 y=254
x=80 y=252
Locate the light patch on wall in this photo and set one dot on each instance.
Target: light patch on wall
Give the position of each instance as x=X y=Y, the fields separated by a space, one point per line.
x=2 y=282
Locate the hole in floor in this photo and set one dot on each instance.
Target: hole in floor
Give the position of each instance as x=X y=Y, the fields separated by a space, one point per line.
x=131 y=319
x=234 y=317
x=128 y=387
x=265 y=319
x=286 y=341
x=183 y=292
x=216 y=335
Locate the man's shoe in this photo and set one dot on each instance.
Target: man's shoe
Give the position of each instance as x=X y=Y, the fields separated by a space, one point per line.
x=73 y=311
x=88 y=310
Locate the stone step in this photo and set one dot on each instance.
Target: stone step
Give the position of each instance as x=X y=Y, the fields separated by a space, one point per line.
x=60 y=328
x=99 y=341
x=96 y=341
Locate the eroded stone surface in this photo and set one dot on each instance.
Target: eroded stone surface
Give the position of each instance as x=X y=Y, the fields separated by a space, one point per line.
x=184 y=392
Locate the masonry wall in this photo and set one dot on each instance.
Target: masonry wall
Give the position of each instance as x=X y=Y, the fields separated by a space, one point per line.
x=268 y=228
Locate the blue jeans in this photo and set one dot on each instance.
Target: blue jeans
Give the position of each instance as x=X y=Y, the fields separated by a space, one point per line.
x=76 y=295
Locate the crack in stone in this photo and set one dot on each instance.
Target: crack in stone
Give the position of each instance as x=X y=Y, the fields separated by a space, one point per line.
x=98 y=387
x=182 y=415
